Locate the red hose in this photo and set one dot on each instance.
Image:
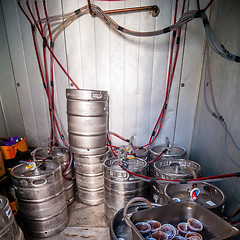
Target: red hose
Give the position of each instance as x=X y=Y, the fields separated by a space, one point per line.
x=39 y=63
x=169 y=82
x=45 y=11
x=32 y=23
x=118 y=136
x=198 y=5
x=187 y=180
x=209 y=4
x=38 y=15
x=156 y=158
x=108 y=138
x=51 y=66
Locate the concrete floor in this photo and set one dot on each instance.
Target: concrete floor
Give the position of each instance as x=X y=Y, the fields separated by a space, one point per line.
x=85 y=222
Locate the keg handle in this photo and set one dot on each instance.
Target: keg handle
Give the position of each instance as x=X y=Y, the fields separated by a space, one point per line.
x=136 y=199
x=40 y=181
x=97 y=95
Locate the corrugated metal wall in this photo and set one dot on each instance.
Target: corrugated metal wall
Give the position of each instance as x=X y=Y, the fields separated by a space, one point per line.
x=132 y=69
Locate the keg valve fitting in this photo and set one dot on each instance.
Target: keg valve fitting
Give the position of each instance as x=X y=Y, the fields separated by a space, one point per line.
x=124 y=164
x=194 y=193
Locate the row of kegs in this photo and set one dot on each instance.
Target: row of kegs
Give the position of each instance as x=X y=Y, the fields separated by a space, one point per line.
x=99 y=177
x=43 y=194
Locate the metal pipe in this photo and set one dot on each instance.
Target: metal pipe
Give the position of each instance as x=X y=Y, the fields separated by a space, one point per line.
x=153 y=9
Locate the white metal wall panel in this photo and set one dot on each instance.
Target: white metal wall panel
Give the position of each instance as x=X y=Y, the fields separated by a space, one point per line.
x=19 y=65
x=132 y=21
x=10 y=112
x=102 y=40
x=168 y=126
x=117 y=60
x=61 y=81
x=208 y=136
x=33 y=78
x=132 y=69
x=190 y=77
x=143 y=88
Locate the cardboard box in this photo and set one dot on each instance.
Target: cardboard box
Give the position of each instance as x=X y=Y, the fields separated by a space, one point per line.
x=9 y=152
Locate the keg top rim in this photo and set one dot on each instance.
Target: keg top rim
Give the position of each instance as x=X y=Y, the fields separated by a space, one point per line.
x=182 y=162
x=54 y=152
x=85 y=90
x=109 y=166
x=20 y=170
x=200 y=186
x=173 y=150
x=167 y=168
x=86 y=94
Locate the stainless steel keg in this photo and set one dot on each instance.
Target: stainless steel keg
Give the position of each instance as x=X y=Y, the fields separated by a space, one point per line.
x=61 y=155
x=173 y=169
x=172 y=152
x=89 y=178
x=120 y=186
x=141 y=153
x=209 y=197
x=87 y=112
x=41 y=198
x=9 y=229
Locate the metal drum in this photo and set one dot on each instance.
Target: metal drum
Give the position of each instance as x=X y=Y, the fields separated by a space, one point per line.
x=210 y=196
x=120 y=186
x=41 y=198
x=87 y=121
x=9 y=229
x=62 y=156
x=172 y=152
x=89 y=178
x=173 y=169
x=141 y=153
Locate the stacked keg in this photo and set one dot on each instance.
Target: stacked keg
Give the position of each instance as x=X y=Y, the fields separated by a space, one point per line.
x=62 y=156
x=41 y=197
x=87 y=112
x=9 y=229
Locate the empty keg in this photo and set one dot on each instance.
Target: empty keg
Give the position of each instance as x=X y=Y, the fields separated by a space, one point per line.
x=141 y=153
x=172 y=152
x=87 y=112
x=173 y=169
x=41 y=197
x=120 y=186
x=9 y=229
x=209 y=197
x=62 y=156
x=89 y=178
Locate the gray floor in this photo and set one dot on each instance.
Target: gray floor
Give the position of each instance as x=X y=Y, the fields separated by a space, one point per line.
x=85 y=222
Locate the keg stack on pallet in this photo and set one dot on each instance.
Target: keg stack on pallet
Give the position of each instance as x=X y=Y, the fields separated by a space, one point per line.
x=87 y=112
